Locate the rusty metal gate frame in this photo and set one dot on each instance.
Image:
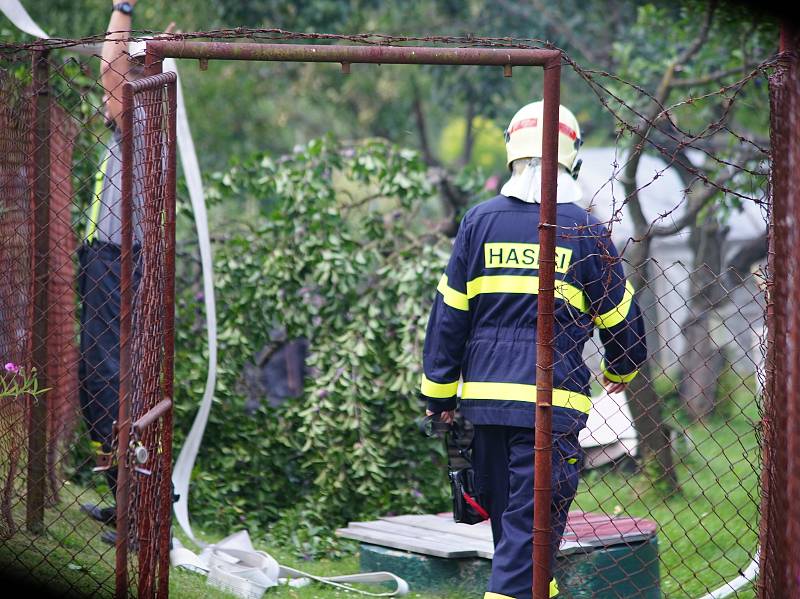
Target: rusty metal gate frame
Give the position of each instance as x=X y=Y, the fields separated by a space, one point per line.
x=157 y=50
x=153 y=551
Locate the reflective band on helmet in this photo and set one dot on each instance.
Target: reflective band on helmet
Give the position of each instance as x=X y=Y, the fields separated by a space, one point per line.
x=438 y=390
x=568 y=131
x=525 y=284
x=534 y=122
x=454 y=299
x=524 y=123
x=527 y=393
x=618 y=313
x=617 y=378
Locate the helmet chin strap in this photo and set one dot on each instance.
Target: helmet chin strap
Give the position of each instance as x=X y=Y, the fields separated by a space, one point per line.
x=576 y=169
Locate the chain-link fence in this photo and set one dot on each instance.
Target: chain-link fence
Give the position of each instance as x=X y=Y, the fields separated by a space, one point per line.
x=85 y=292
x=672 y=485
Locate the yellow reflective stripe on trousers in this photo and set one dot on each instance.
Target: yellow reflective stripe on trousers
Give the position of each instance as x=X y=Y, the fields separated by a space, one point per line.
x=553 y=592
x=617 y=378
x=438 y=390
x=94 y=211
x=519 y=392
x=619 y=313
x=525 y=284
x=454 y=299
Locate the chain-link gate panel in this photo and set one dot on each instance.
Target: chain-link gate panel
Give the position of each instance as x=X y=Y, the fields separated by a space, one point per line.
x=145 y=454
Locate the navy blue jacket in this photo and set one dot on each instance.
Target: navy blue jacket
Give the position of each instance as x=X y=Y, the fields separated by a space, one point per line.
x=482 y=328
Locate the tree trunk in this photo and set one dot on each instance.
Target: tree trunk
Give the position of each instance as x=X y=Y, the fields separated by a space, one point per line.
x=643 y=400
x=702 y=362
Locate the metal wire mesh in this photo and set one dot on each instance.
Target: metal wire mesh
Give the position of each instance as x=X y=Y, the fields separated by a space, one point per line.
x=671 y=470
x=15 y=273
x=79 y=324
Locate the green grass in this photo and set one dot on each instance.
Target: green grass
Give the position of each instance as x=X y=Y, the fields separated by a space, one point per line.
x=187 y=584
x=707 y=531
x=69 y=556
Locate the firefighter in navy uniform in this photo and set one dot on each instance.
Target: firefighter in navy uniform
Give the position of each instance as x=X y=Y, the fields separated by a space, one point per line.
x=482 y=333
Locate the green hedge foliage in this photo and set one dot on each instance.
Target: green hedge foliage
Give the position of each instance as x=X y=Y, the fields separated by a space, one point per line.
x=340 y=256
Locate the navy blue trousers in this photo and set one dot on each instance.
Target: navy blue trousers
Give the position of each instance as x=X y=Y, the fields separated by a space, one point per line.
x=98 y=369
x=502 y=457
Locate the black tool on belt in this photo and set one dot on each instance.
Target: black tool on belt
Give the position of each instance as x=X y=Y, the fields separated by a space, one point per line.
x=467 y=503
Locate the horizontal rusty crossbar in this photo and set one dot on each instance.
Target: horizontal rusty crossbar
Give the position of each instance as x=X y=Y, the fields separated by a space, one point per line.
x=152 y=82
x=153 y=414
x=159 y=49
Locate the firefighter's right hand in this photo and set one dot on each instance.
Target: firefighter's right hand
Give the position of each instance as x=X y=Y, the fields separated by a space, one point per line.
x=446 y=417
x=611 y=387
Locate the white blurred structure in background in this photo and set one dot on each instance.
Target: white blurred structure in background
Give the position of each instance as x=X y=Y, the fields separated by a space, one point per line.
x=736 y=325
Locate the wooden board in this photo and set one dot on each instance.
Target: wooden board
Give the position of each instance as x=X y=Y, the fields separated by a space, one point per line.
x=425 y=535
x=445 y=523
x=439 y=536
x=407 y=541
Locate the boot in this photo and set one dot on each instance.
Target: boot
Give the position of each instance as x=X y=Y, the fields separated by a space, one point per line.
x=104 y=515
x=104 y=462
x=109 y=537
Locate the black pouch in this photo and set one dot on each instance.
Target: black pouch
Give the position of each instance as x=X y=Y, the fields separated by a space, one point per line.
x=467 y=508
x=467 y=502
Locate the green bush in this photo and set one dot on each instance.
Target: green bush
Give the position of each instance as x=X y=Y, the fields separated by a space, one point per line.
x=339 y=257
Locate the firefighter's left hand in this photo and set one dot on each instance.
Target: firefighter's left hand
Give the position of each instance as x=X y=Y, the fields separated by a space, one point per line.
x=446 y=417
x=611 y=387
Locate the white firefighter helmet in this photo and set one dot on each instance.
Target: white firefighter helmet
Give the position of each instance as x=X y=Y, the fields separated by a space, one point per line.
x=524 y=136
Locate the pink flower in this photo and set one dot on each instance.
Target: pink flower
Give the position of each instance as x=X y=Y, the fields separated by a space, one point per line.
x=491 y=183
x=11 y=367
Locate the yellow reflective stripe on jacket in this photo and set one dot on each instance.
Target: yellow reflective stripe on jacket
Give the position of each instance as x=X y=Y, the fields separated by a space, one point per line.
x=525 y=284
x=94 y=211
x=617 y=378
x=438 y=390
x=618 y=313
x=552 y=593
x=454 y=299
x=519 y=392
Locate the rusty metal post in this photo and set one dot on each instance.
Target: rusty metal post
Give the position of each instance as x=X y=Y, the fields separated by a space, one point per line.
x=37 y=423
x=169 y=339
x=153 y=63
x=125 y=326
x=542 y=526
x=780 y=517
x=793 y=399
x=791 y=123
